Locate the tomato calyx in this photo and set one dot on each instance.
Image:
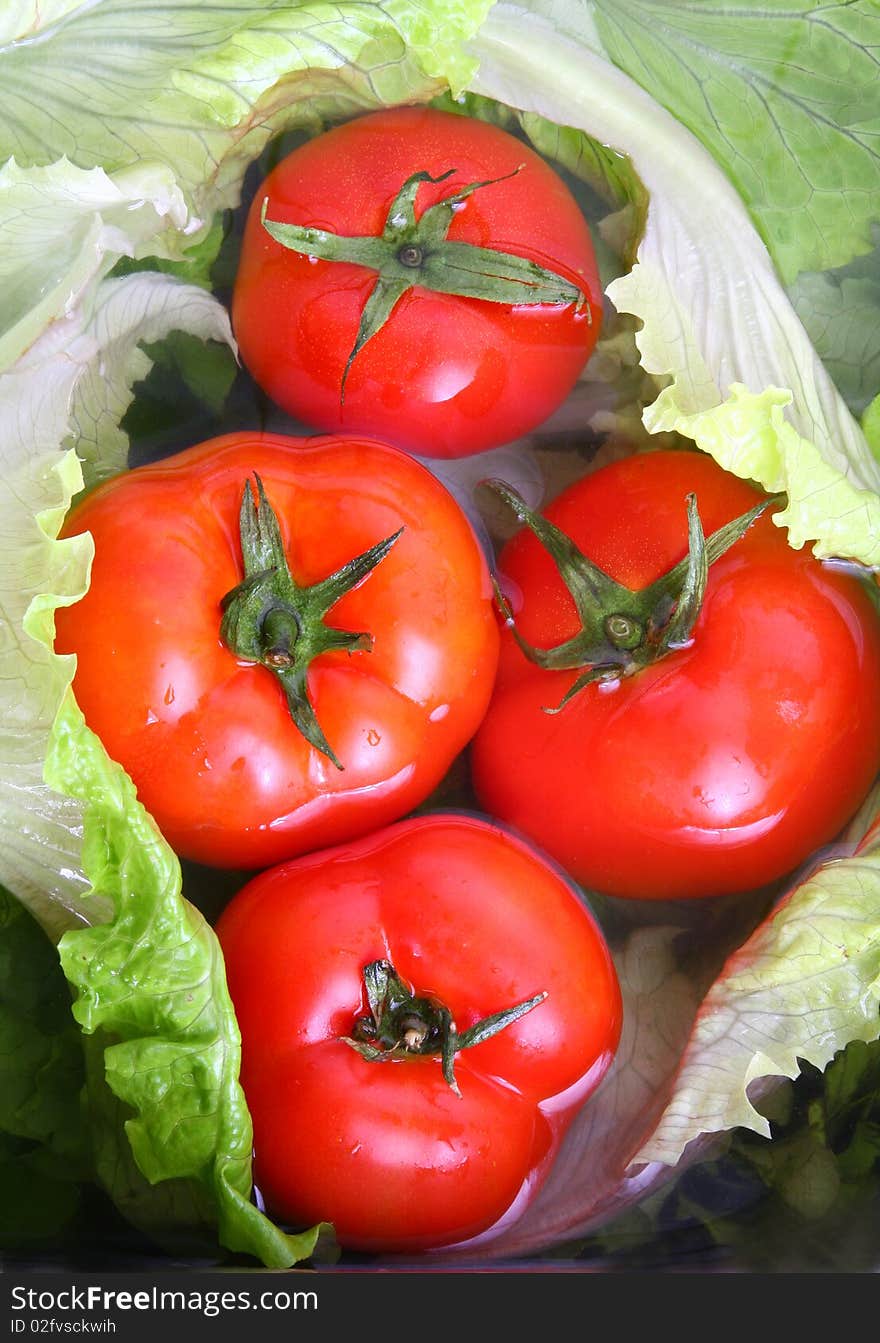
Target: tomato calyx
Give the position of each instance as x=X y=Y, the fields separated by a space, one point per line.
x=270 y=619
x=622 y=629
x=412 y=251
x=401 y=1022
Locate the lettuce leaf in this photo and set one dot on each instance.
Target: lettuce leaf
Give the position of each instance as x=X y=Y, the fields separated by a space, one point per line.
x=44 y=1150
x=103 y=83
x=128 y=314
x=152 y=982
x=804 y=985
x=63 y=228
x=102 y=111
x=71 y=387
x=785 y=98
x=717 y=326
x=841 y=312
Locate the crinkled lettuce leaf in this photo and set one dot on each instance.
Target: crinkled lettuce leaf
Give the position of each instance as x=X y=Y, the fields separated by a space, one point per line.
x=79 y=853
x=107 y=83
x=804 y=985
x=128 y=314
x=63 y=228
x=71 y=387
x=151 y=981
x=743 y=379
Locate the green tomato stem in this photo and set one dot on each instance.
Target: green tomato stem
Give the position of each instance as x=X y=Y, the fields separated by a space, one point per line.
x=413 y=251
x=622 y=629
x=402 y=1022
x=268 y=618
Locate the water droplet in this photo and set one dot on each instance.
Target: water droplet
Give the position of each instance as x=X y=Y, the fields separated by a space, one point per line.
x=438 y=714
x=169 y=695
x=151 y=718
x=312 y=260
x=373 y=737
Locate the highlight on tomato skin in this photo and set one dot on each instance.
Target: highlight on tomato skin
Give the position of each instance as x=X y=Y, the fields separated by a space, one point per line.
x=401 y=1148
x=718 y=767
x=443 y=373
x=320 y=689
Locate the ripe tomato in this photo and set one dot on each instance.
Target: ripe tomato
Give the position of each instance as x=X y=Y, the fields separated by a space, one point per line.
x=384 y=1146
x=447 y=374
x=205 y=732
x=722 y=765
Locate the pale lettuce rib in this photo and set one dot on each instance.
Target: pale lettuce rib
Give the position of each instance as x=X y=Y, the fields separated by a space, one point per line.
x=76 y=378
x=40 y=829
x=63 y=228
x=130 y=312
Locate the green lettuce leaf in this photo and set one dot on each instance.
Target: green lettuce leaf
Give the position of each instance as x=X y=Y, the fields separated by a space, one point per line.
x=743 y=379
x=152 y=982
x=841 y=312
x=103 y=82
x=785 y=98
x=805 y=984
x=44 y=1150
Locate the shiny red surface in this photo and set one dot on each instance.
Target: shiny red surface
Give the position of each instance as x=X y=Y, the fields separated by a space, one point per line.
x=206 y=737
x=386 y=1151
x=446 y=376
x=719 y=768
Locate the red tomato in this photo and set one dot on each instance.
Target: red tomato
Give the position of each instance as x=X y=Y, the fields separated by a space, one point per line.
x=446 y=375
x=385 y=1149
x=724 y=764
x=206 y=735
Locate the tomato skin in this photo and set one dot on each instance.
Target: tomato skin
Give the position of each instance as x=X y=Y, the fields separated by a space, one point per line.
x=386 y=1150
x=207 y=737
x=447 y=376
x=725 y=764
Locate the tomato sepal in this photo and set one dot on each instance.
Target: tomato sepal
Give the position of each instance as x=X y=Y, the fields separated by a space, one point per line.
x=412 y=251
x=270 y=619
x=402 y=1022
x=622 y=629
